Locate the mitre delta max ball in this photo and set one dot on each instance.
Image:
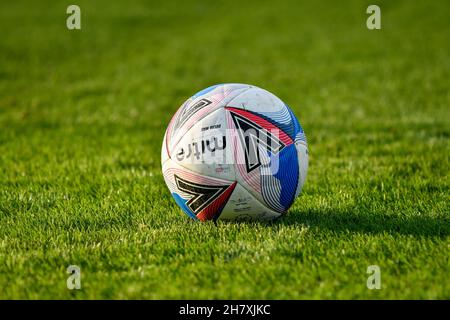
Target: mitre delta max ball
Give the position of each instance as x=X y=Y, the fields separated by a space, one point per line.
x=234 y=152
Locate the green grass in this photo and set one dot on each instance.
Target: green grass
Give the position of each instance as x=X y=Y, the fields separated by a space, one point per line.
x=83 y=113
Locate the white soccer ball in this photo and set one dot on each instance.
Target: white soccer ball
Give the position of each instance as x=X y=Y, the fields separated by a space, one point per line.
x=234 y=152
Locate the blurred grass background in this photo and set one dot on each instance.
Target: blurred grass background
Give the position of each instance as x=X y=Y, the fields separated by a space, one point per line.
x=83 y=113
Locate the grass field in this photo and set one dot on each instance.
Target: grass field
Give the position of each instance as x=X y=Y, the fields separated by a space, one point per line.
x=83 y=114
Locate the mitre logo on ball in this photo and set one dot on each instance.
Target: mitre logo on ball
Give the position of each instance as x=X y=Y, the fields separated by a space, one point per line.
x=234 y=152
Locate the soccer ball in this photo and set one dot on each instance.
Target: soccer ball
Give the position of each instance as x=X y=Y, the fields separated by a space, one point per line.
x=234 y=152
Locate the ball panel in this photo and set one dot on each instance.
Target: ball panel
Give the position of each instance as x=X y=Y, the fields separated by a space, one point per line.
x=302 y=154
x=201 y=197
x=221 y=89
x=206 y=149
x=280 y=179
x=164 y=151
x=257 y=100
x=197 y=107
x=242 y=205
x=265 y=159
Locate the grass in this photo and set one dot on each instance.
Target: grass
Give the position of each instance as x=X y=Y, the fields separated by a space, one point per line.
x=83 y=113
